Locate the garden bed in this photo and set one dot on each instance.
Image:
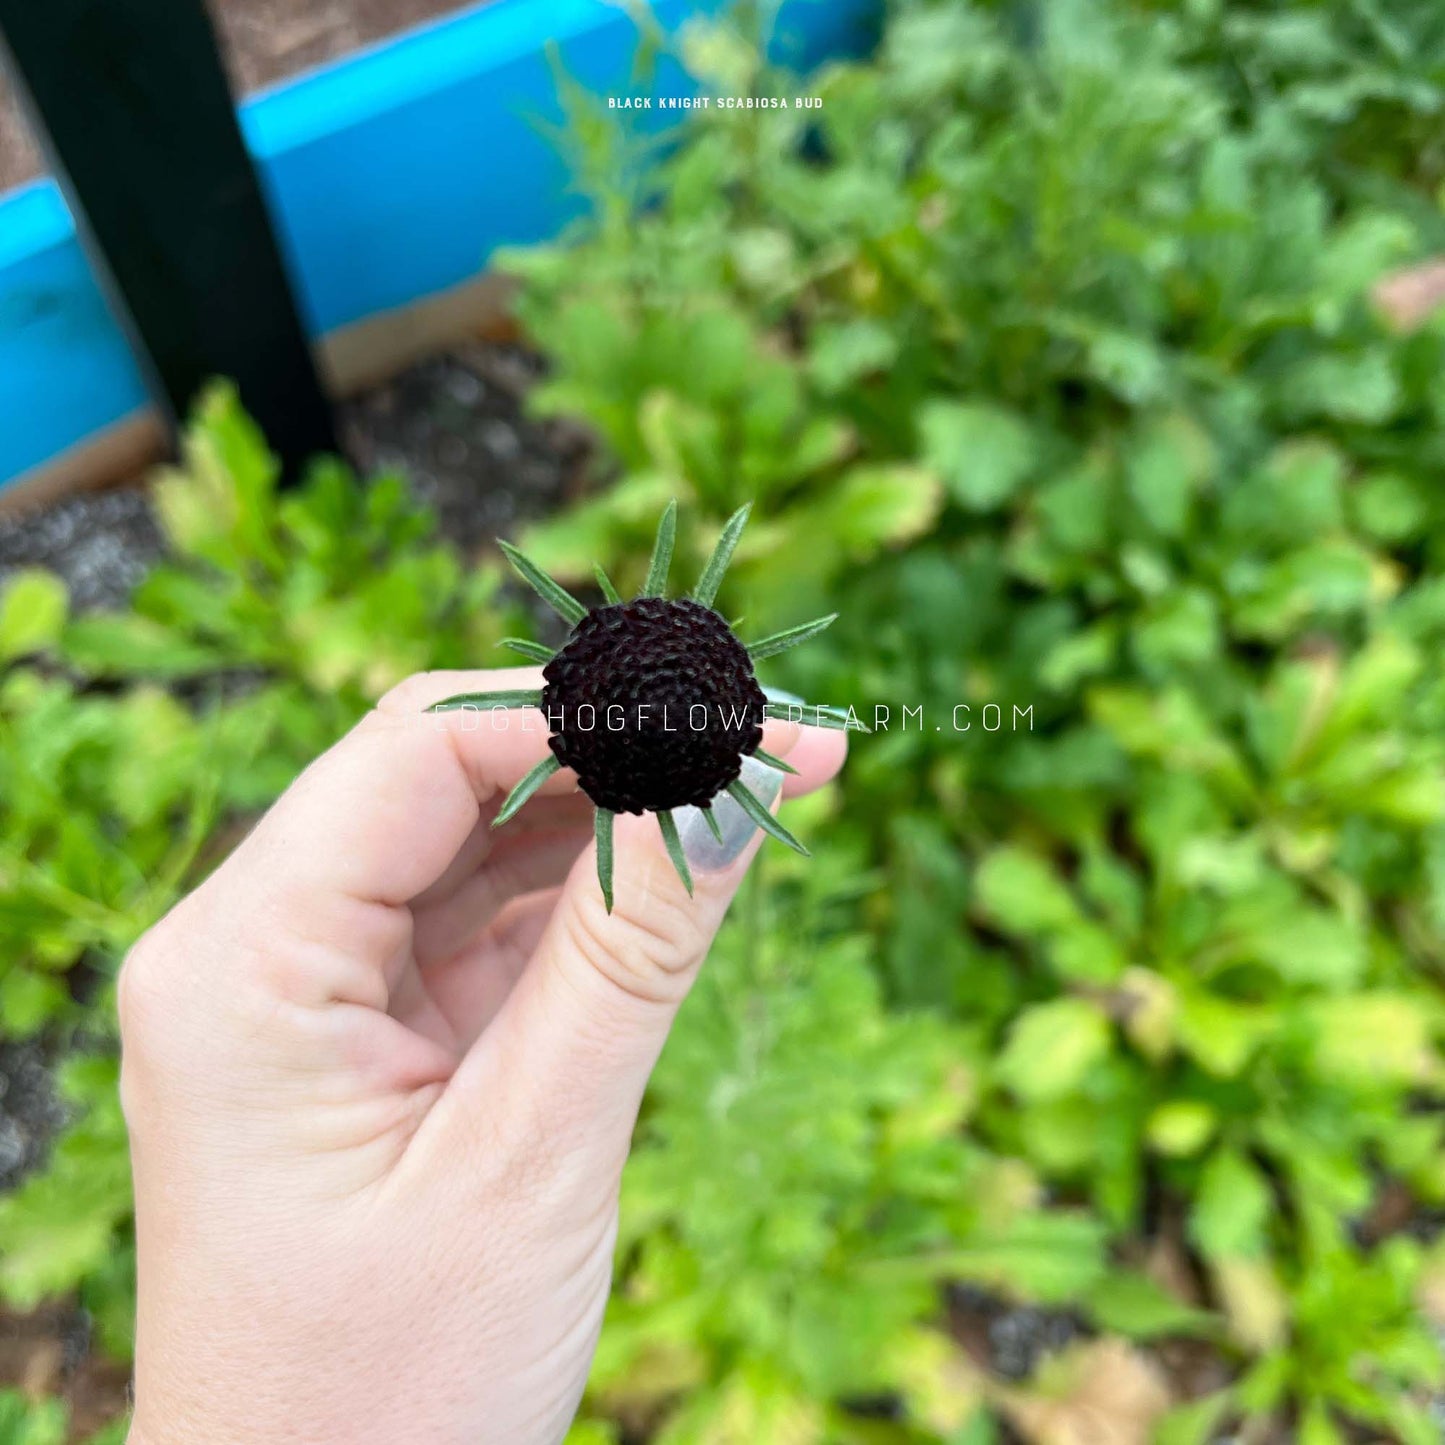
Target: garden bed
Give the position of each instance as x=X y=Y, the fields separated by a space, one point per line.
x=262 y=42
x=453 y=425
x=1091 y=1074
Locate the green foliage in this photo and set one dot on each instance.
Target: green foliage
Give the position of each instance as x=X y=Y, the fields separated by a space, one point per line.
x=1044 y=354
x=135 y=745
x=24 y=1423
x=801 y=1187
x=1046 y=350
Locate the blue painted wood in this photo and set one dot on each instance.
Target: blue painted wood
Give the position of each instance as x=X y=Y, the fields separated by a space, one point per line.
x=66 y=371
x=392 y=175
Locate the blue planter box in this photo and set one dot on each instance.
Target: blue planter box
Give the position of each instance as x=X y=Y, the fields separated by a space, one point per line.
x=392 y=177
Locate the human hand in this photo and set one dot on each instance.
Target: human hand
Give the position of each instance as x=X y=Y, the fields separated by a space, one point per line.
x=381 y=1072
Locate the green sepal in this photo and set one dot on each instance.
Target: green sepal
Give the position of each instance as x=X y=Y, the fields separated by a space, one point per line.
x=722 y=554
x=524 y=790
x=782 y=641
x=537 y=651
x=613 y=596
x=668 y=824
x=602 y=830
x=768 y=760
x=515 y=697
x=656 y=584
x=557 y=597
x=740 y=794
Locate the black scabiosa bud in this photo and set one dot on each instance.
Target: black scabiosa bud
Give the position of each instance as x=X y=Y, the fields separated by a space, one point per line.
x=652 y=703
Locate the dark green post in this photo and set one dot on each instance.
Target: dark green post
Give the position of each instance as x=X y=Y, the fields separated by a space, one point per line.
x=133 y=101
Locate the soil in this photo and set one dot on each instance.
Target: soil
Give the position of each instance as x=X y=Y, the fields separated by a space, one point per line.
x=262 y=41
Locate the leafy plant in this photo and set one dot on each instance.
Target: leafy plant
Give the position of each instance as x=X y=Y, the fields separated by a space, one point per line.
x=1100 y=275
x=1044 y=351
x=135 y=745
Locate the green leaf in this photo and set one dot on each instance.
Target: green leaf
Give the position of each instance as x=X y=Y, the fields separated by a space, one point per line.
x=507 y=697
x=872 y=506
x=760 y=815
x=33 y=609
x=553 y=593
x=602 y=830
x=791 y=637
x=713 y=826
x=1181 y=1127
x=1052 y=1047
x=524 y=790
x=1042 y=1256
x=712 y=574
x=982 y=452
x=1169 y=462
x=125 y=644
x=840 y=354
x=668 y=824
x=1022 y=893
x=656 y=584
x=1128 y=1303
x=1361 y=388
x=1232 y=1208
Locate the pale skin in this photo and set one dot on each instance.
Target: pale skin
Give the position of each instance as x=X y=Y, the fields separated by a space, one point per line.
x=381 y=1072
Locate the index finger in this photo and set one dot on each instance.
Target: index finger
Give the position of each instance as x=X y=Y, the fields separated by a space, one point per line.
x=380 y=815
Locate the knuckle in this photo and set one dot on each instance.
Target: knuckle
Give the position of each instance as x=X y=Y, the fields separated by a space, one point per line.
x=142 y=1001
x=412 y=694
x=139 y=983
x=647 y=952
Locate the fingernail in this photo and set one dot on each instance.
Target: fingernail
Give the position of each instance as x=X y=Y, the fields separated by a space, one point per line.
x=704 y=852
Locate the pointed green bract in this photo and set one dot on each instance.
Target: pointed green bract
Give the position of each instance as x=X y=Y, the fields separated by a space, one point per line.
x=524 y=790
x=656 y=584
x=722 y=554
x=602 y=830
x=557 y=597
x=668 y=824
x=739 y=793
x=816 y=717
x=516 y=697
x=713 y=826
x=782 y=641
x=611 y=593
x=768 y=760
x=537 y=651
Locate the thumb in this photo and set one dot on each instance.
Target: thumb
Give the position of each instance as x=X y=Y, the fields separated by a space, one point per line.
x=584 y=1025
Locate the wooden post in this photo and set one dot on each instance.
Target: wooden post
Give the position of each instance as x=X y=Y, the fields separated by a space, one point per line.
x=134 y=104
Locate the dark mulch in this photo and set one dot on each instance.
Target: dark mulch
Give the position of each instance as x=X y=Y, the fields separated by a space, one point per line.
x=456 y=426
x=30 y=1111
x=262 y=41
x=101 y=543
